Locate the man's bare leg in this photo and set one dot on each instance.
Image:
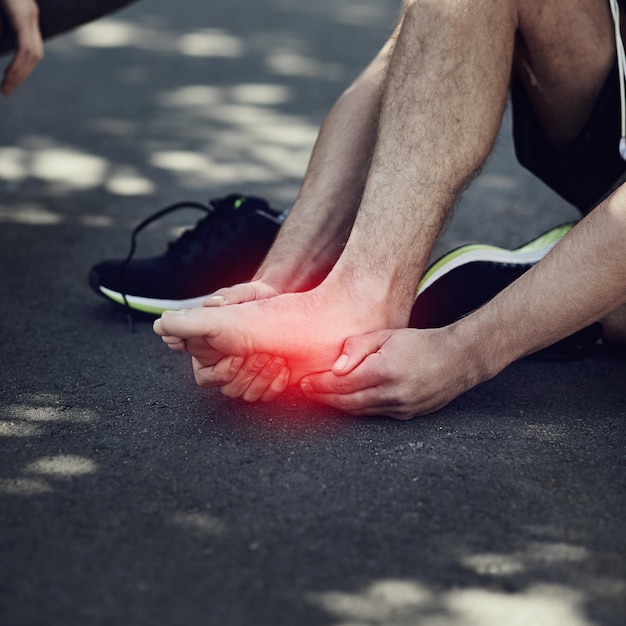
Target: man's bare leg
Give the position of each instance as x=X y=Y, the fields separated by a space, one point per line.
x=442 y=105
x=565 y=51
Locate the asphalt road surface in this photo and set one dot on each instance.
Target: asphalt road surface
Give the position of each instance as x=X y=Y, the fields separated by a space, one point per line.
x=130 y=497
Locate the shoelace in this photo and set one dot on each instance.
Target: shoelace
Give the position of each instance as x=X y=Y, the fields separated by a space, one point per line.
x=621 y=65
x=210 y=209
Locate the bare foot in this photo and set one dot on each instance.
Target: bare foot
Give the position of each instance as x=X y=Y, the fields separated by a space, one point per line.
x=307 y=329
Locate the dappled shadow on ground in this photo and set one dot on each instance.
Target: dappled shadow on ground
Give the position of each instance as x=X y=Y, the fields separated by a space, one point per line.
x=229 y=97
x=127 y=494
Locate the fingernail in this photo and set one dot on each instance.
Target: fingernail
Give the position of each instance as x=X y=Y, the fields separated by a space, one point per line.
x=341 y=362
x=218 y=299
x=175 y=312
x=305 y=386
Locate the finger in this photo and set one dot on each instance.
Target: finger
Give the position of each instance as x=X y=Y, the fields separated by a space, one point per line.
x=244 y=292
x=361 y=402
x=231 y=295
x=261 y=366
x=277 y=386
x=377 y=399
x=175 y=343
x=329 y=383
x=356 y=349
x=29 y=49
x=216 y=375
x=370 y=400
x=201 y=350
x=262 y=381
x=18 y=69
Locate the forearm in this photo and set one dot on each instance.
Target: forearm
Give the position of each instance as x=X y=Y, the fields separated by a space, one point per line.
x=317 y=227
x=579 y=282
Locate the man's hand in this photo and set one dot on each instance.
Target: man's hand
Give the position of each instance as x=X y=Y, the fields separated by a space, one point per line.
x=244 y=292
x=260 y=377
x=397 y=373
x=23 y=16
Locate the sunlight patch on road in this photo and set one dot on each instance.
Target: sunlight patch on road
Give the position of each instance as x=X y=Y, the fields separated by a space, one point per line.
x=260 y=94
x=117 y=33
x=42 y=414
x=32 y=214
x=10 y=428
x=63 y=466
x=109 y=33
x=24 y=487
x=191 y=96
x=380 y=603
x=409 y=602
x=288 y=62
x=495 y=564
x=197 y=170
x=128 y=181
x=543 y=605
x=536 y=554
x=65 y=169
x=200 y=522
x=12 y=165
x=180 y=161
x=68 y=167
x=29 y=418
x=210 y=42
x=240 y=135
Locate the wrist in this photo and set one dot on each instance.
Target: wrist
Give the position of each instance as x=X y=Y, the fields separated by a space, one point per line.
x=477 y=349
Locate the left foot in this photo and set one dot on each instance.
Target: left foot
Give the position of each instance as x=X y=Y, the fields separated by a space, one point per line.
x=307 y=329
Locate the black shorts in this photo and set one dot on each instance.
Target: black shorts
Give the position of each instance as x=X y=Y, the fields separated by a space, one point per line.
x=590 y=167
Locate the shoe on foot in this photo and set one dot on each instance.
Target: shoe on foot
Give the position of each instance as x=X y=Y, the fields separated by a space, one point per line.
x=223 y=249
x=468 y=277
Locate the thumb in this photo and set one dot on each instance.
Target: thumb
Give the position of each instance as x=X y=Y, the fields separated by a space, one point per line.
x=357 y=349
x=244 y=292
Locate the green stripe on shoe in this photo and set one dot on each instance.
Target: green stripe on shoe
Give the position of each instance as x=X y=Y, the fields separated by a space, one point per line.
x=549 y=238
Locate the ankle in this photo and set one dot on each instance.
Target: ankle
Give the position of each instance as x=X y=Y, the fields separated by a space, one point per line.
x=372 y=299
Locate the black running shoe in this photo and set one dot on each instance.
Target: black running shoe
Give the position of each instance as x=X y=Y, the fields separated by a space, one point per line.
x=223 y=249
x=466 y=278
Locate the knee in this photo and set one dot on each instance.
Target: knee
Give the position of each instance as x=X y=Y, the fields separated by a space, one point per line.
x=425 y=10
x=464 y=13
